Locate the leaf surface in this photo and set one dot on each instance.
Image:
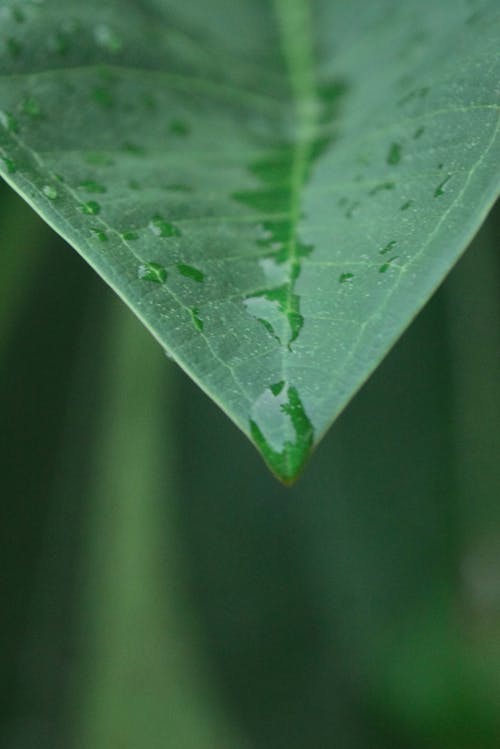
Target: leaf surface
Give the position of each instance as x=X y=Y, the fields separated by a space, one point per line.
x=275 y=188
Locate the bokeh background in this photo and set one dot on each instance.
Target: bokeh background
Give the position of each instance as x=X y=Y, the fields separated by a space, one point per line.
x=160 y=589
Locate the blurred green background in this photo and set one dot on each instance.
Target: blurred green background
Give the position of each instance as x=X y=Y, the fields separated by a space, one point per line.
x=161 y=589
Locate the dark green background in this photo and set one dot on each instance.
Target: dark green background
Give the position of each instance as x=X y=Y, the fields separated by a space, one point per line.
x=161 y=589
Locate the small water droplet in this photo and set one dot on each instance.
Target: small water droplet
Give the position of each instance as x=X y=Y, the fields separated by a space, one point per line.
x=406 y=205
x=178 y=127
x=130 y=235
x=9 y=122
x=91 y=186
x=99 y=234
x=152 y=272
x=195 y=318
x=131 y=147
x=346 y=277
x=10 y=165
x=349 y=212
x=134 y=184
x=385 y=267
x=91 y=208
x=419 y=132
x=440 y=188
x=107 y=38
x=388 y=247
x=18 y=15
x=103 y=97
x=31 y=107
x=382 y=186
x=162 y=228
x=98 y=159
x=394 y=154
x=191 y=272
x=50 y=192
x=14 y=47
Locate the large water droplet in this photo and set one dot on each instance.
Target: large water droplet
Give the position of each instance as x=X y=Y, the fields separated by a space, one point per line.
x=152 y=272
x=90 y=208
x=195 y=318
x=50 y=192
x=191 y=272
x=162 y=228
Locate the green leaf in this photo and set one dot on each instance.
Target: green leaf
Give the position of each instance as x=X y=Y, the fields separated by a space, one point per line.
x=275 y=188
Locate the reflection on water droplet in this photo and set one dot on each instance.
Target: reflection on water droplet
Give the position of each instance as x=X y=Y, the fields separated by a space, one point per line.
x=91 y=186
x=91 y=208
x=419 y=132
x=345 y=277
x=152 y=272
x=99 y=234
x=282 y=430
x=130 y=235
x=195 y=318
x=382 y=186
x=394 y=155
x=162 y=228
x=191 y=272
x=107 y=38
x=439 y=189
x=9 y=122
x=178 y=127
x=50 y=192
x=388 y=247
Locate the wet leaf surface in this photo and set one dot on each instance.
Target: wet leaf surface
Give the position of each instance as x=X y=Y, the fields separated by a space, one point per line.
x=274 y=188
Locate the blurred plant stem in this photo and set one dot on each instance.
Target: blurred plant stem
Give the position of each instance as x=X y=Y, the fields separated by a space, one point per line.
x=141 y=682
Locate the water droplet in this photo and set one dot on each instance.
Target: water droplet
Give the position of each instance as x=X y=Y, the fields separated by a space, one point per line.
x=406 y=205
x=439 y=189
x=18 y=15
x=195 y=318
x=14 y=47
x=419 y=132
x=9 y=122
x=152 y=272
x=349 y=212
x=388 y=247
x=394 y=154
x=178 y=127
x=50 y=192
x=103 y=97
x=98 y=159
x=131 y=147
x=385 y=267
x=282 y=430
x=91 y=186
x=99 y=234
x=134 y=184
x=10 y=165
x=31 y=107
x=107 y=38
x=345 y=277
x=91 y=208
x=382 y=186
x=191 y=272
x=162 y=228
x=130 y=235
